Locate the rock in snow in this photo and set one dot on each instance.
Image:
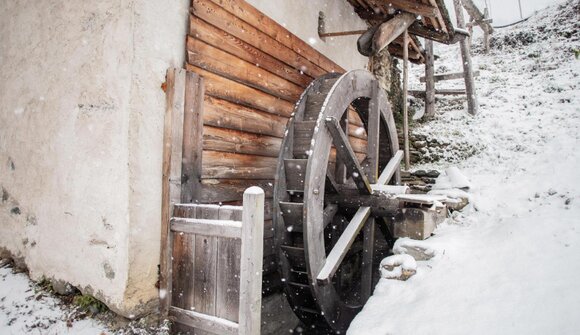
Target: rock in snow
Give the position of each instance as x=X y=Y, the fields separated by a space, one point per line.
x=400 y=267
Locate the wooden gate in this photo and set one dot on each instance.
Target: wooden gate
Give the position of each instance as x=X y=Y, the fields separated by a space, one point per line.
x=216 y=267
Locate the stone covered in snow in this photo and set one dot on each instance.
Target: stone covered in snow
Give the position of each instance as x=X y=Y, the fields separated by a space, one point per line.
x=400 y=267
x=417 y=249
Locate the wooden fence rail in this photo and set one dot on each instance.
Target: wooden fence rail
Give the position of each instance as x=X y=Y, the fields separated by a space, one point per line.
x=216 y=266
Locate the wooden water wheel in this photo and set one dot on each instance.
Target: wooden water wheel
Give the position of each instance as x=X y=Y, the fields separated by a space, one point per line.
x=328 y=197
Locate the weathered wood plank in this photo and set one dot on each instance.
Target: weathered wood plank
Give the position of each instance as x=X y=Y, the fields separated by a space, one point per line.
x=342 y=246
x=405 y=103
x=429 y=79
x=220 y=18
x=392 y=167
x=192 y=136
x=231 y=44
x=472 y=105
x=204 y=322
x=226 y=65
x=222 y=165
x=227 y=115
x=415 y=7
x=235 y=92
x=251 y=15
x=171 y=182
x=448 y=76
x=367 y=260
x=347 y=155
x=227 y=190
x=205 y=266
x=226 y=140
x=251 y=261
x=220 y=228
x=182 y=258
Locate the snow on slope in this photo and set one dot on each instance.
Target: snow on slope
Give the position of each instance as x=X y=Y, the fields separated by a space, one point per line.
x=513 y=266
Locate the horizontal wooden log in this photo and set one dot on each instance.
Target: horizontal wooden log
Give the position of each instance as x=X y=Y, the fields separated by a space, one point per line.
x=224 y=114
x=235 y=92
x=219 y=228
x=234 y=141
x=220 y=18
x=448 y=76
x=251 y=15
x=226 y=65
x=209 y=34
x=231 y=190
x=421 y=94
x=204 y=322
x=222 y=165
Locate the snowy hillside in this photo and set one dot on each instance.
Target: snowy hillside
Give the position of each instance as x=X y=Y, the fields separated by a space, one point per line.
x=510 y=263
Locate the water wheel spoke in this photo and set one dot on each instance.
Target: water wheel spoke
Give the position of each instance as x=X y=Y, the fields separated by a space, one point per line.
x=391 y=168
x=347 y=155
x=329 y=212
x=343 y=245
x=367 y=259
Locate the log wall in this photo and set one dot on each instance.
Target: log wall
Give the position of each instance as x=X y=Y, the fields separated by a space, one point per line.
x=254 y=71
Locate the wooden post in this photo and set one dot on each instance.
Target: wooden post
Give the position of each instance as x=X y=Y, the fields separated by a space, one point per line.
x=192 y=138
x=405 y=107
x=251 y=262
x=486 y=31
x=429 y=79
x=467 y=64
x=171 y=183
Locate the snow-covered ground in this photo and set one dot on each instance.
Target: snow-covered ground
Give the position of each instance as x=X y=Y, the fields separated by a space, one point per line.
x=511 y=263
x=26 y=309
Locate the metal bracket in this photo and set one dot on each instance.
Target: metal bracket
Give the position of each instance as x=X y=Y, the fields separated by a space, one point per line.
x=322 y=29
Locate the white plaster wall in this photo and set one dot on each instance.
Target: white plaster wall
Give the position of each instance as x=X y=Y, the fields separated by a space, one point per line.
x=301 y=18
x=81 y=114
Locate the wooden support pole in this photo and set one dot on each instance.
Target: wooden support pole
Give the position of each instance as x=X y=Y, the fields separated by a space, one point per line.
x=405 y=107
x=485 y=31
x=429 y=80
x=472 y=105
x=171 y=182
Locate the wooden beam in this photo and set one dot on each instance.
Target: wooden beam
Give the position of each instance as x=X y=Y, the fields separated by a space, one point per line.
x=219 y=228
x=448 y=76
x=192 y=138
x=391 y=168
x=429 y=79
x=171 y=182
x=204 y=322
x=347 y=156
x=443 y=91
x=472 y=104
x=405 y=104
x=388 y=31
x=367 y=260
x=414 y=7
x=342 y=246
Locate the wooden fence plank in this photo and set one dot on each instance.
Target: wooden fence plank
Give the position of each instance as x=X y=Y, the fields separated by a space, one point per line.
x=171 y=182
x=251 y=261
x=226 y=65
x=223 y=228
x=183 y=256
x=231 y=44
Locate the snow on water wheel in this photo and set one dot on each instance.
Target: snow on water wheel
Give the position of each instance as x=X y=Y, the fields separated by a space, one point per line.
x=325 y=195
